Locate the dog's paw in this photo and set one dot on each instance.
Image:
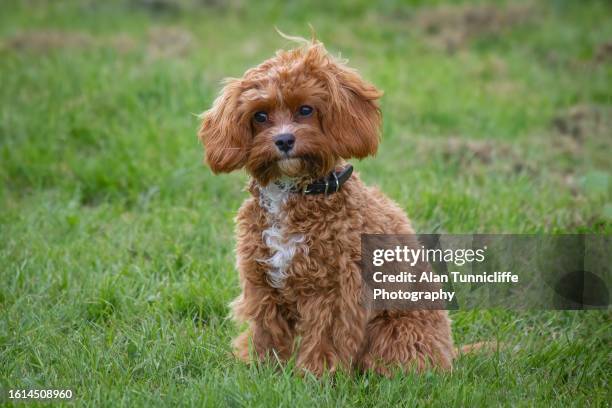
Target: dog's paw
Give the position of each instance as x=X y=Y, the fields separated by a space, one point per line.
x=318 y=364
x=377 y=366
x=241 y=346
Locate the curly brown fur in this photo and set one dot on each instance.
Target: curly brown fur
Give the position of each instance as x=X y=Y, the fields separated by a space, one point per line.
x=298 y=255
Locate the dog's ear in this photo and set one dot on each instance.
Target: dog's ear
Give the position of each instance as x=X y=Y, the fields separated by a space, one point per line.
x=224 y=135
x=353 y=118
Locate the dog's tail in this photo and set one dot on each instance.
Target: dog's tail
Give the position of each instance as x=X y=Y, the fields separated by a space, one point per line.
x=484 y=346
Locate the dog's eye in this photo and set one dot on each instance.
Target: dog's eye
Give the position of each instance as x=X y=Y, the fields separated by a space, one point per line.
x=260 y=117
x=305 y=110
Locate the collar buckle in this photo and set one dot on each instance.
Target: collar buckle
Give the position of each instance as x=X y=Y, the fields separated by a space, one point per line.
x=326 y=185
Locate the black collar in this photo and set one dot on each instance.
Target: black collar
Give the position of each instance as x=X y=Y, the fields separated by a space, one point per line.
x=330 y=184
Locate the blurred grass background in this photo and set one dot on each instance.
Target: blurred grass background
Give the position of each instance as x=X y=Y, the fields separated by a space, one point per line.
x=116 y=260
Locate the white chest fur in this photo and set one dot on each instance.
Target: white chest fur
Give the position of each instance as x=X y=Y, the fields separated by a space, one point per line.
x=283 y=245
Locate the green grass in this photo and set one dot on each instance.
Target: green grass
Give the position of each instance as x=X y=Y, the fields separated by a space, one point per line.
x=116 y=244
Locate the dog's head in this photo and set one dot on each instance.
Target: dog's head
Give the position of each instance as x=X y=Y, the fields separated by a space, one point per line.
x=296 y=115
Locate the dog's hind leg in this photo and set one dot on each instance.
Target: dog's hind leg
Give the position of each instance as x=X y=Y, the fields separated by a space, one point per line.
x=412 y=340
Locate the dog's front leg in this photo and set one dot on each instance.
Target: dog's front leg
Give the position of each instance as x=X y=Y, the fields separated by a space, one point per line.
x=332 y=330
x=269 y=333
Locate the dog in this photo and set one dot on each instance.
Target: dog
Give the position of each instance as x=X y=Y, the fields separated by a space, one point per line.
x=293 y=122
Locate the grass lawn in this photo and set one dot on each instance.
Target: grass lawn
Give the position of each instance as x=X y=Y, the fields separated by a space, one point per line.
x=116 y=243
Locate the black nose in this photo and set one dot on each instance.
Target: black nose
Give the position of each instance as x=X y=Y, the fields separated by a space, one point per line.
x=284 y=142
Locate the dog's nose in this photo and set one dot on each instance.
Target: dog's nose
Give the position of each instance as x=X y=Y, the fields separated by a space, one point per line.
x=284 y=142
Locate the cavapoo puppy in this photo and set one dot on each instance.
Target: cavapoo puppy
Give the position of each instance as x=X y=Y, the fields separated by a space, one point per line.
x=292 y=122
